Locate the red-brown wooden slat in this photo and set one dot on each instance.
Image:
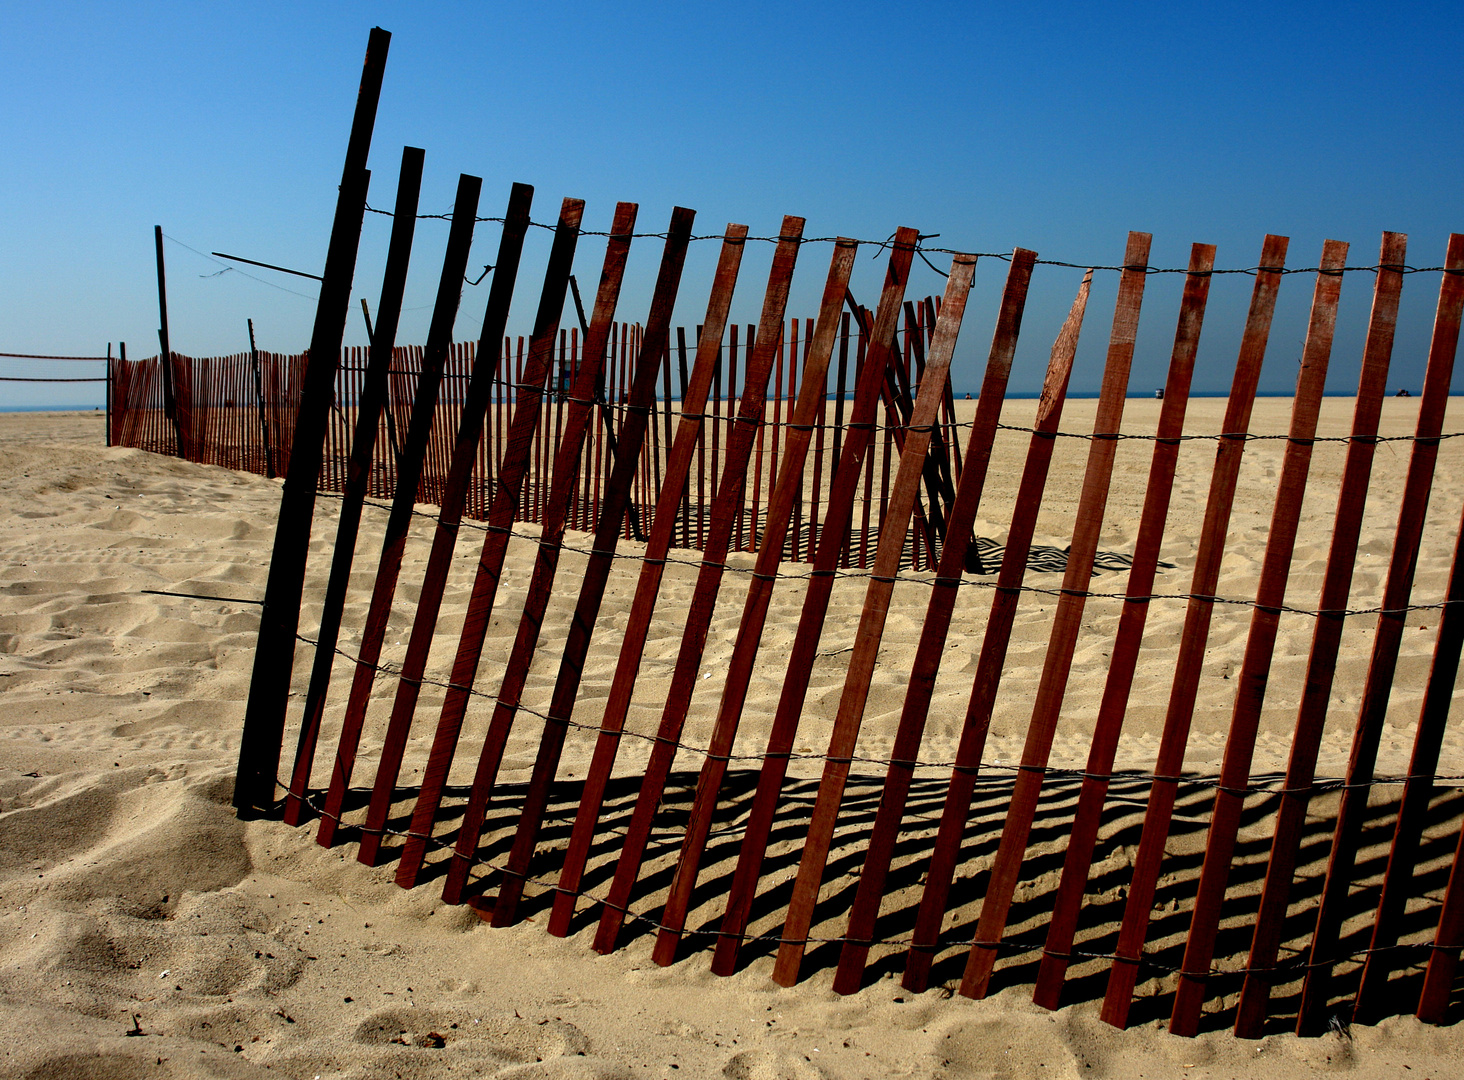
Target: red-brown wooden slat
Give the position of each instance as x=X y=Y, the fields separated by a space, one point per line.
x=1067 y=620
x=945 y=855
x=1078 y=859
x=1403 y=853
x=787 y=356
x=690 y=436
x=698 y=615
x=820 y=583
x=653 y=467
x=929 y=524
x=400 y=519
x=1443 y=960
x=1125 y=648
x=755 y=607
x=1260 y=645
x=1023 y=805
x=919 y=437
x=424 y=622
x=1326 y=638
x=840 y=385
x=373 y=397
x=945 y=591
x=892 y=430
x=1159 y=812
x=449 y=727
x=602 y=395
x=650 y=344
x=1353 y=809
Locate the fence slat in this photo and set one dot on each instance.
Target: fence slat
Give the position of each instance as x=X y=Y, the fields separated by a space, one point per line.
x=510 y=484
x=918 y=440
x=1175 y=735
x=639 y=416
x=754 y=611
x=459 y=240
x=1067 y=620
x=1260 y=641
x=1326 y=638
x=1403 y=852
x=709 y=579
x=538 y=377
x=1443 y=960
x=946 y=587
x=690 y=436
x=368 y=422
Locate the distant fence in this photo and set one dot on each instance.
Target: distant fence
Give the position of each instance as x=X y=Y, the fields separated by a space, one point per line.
x=239 y=412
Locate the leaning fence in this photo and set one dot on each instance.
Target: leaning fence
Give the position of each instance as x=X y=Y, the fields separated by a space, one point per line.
x=1015 y=871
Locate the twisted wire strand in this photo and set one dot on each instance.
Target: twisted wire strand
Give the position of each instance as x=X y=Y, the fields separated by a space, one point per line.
x=1005 y=256
x=1061 y=775
x=930 y=578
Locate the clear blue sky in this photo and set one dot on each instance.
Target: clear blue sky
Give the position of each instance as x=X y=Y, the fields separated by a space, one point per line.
x=1056 y=127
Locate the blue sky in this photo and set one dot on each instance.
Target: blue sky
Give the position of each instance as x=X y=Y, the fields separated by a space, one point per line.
x=1056 y=127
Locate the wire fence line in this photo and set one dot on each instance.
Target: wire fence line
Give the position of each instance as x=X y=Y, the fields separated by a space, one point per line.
x=880 y=246
x=993 y=552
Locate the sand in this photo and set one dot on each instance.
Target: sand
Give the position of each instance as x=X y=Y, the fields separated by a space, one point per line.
x=144 y=931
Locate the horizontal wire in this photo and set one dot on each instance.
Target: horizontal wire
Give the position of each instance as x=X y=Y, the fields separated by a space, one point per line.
x=38 y=356
x=13 y=378
x=1091 y=436
x=1002 y=255
x=1052 y=772
x=987 y=554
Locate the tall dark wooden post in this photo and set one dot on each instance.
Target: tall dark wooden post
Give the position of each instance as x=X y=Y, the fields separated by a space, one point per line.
x=274 y=655
x=170 y=404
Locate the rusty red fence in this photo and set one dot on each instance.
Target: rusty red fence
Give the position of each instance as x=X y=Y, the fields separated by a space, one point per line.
x=831 y=452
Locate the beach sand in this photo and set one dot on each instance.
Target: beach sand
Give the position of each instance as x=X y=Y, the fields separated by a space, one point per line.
x=145 y=931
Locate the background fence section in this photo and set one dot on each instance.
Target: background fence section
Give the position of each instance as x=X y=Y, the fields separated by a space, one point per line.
x=238 y=412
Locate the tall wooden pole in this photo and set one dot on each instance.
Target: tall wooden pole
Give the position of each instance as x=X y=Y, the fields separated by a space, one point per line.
x=274 y=655
x=170 y=405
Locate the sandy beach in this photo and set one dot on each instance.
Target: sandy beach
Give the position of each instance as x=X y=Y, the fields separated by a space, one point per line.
x=145 y=932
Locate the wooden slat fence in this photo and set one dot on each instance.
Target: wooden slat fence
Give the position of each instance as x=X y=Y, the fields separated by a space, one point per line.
x=826 y=462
